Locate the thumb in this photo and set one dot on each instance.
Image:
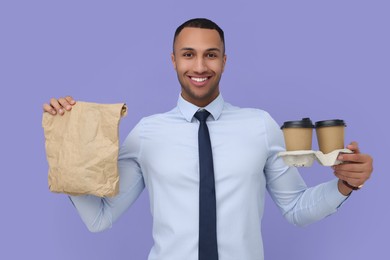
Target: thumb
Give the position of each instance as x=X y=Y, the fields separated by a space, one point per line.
x=354 y=147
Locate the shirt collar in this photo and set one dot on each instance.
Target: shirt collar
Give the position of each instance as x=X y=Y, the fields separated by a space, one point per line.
x=188 y=109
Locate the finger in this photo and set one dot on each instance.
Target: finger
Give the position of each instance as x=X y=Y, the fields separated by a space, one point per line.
x=70 y=100
x=356 y=171
x=354 y=147
x=353 y=157
x=349 y=179
x=64 y=103
x=351 y=175
x=350 y=167
x=352 y=181
x=49 y=109
x=57 y=106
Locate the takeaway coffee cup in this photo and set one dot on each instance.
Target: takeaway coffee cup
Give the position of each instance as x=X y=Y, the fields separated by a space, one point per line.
x=330 y=135
x=298 y=134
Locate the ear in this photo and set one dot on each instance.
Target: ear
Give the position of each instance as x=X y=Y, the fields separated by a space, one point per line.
x=173 y=60
x=224 y=62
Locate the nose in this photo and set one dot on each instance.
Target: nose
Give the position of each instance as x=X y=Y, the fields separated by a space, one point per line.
x=200 y=65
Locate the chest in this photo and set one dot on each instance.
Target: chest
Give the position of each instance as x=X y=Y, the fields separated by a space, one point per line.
x=170 y=153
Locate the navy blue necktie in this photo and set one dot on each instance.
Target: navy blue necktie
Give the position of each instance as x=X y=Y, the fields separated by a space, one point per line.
x=208 y=249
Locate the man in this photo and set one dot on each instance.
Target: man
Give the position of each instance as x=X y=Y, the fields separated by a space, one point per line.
x=164 y=153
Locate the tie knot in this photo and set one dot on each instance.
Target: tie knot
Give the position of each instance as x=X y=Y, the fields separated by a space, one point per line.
x=202 y=115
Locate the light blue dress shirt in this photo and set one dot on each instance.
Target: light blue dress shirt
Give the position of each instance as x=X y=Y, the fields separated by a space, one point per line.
x=161 y=153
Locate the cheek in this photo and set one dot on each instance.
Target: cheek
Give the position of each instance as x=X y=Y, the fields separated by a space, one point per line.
x=217 y=66
x=218 y=69
x=182 y=67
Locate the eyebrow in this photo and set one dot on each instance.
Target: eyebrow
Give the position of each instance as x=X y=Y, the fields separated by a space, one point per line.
x=192 y=49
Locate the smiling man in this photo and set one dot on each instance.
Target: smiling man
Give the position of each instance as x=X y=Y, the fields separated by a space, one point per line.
x=207 y=165
x=199 y=60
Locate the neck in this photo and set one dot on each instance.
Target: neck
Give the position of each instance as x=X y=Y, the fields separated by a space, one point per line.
x=200 y=103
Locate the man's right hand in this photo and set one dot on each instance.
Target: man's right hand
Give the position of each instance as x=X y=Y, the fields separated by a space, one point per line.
x=58 y=106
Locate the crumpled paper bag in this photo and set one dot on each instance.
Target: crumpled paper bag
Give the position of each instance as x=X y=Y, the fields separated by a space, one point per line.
x=82 y=149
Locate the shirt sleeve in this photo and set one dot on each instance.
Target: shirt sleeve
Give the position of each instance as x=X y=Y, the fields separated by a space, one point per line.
x=299 y=204
x=98 y=213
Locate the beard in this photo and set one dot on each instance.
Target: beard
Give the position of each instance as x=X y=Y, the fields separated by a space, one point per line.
x=203 y=95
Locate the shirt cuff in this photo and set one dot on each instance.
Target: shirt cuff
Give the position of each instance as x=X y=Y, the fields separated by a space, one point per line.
x=333 y=196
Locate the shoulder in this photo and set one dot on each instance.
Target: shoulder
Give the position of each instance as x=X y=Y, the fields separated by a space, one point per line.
x=151 y=124
x=151 y=119
x=247 y=113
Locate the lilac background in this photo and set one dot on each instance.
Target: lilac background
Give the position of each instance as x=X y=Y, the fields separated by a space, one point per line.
x=292 y=58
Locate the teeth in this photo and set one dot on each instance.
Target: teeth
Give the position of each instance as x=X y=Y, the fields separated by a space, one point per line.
x=199 y=79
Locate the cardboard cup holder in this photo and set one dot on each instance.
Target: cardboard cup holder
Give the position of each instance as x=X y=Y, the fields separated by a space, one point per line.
x=305 y=158
x=298 y=140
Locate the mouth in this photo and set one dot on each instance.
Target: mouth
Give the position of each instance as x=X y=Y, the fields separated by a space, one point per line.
x=199 y=81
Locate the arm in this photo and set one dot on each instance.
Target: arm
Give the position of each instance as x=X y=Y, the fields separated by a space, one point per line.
x=99 y=214
x=299 y=204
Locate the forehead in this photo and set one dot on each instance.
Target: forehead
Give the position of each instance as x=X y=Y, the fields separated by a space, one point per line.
x=198 y=38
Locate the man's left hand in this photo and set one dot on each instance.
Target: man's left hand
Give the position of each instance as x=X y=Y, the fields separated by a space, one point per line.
x=356 y=168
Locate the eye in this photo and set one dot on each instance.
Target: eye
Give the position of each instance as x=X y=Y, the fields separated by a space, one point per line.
x=188 y=55
x=211 y=55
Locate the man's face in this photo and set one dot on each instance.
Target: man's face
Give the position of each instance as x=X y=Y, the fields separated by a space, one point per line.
x=199 y=61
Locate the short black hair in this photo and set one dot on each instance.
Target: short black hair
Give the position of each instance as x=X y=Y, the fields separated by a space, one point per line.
x=202 y=23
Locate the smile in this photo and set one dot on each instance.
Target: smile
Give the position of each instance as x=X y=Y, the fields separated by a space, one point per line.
x=198 y=79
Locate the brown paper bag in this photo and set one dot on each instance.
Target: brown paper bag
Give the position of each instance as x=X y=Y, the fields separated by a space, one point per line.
x=82 y=149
